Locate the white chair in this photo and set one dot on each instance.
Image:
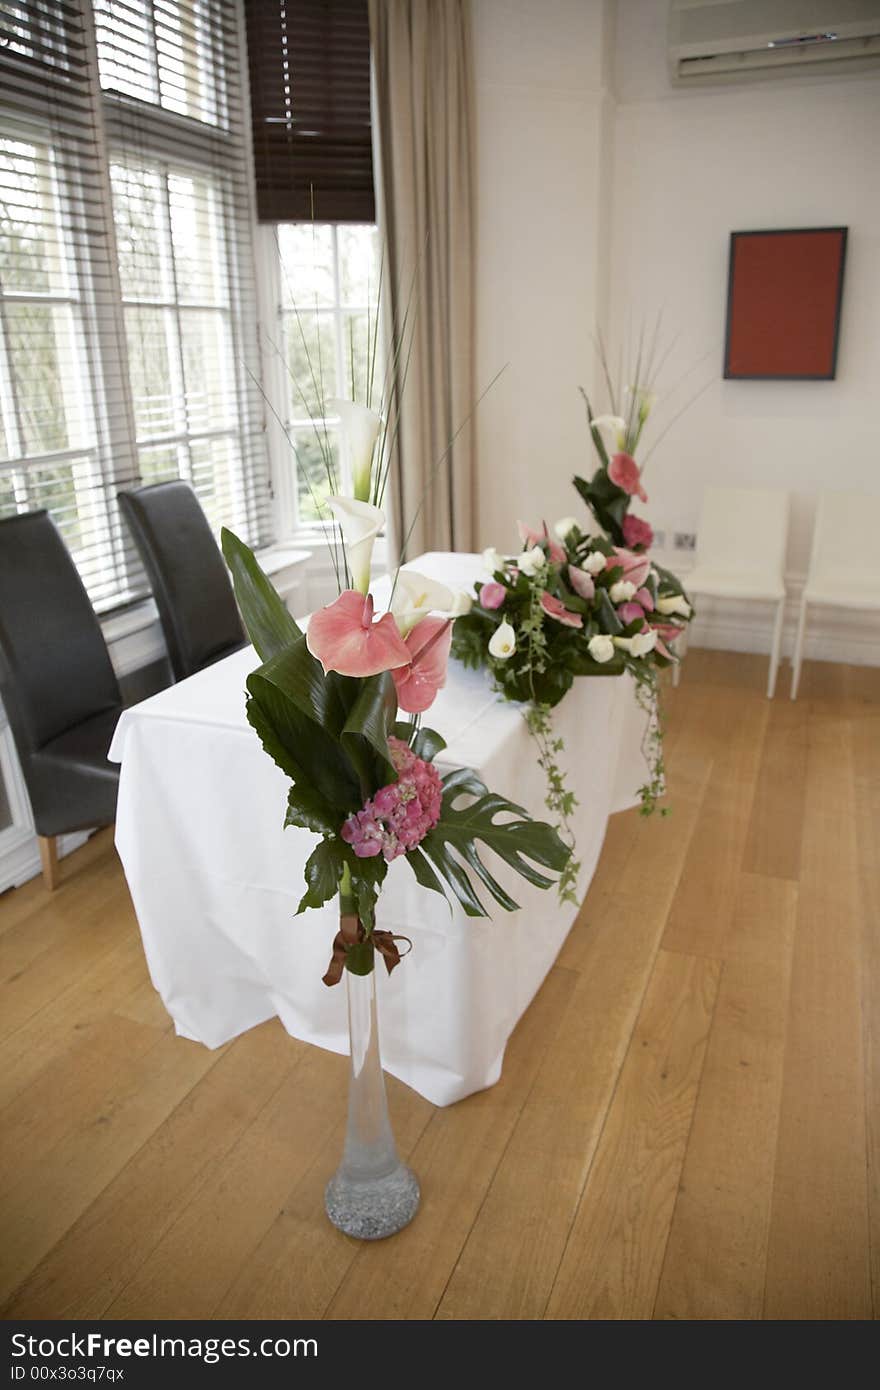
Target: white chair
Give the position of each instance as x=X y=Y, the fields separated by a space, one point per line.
x=741 y=554
x=844 y=562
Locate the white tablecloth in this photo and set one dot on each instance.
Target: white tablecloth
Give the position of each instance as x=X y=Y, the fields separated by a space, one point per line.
x=215 y=878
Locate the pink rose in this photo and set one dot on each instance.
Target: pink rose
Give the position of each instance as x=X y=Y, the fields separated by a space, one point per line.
x=637 y=532
x=624 y=473
x=493 y=594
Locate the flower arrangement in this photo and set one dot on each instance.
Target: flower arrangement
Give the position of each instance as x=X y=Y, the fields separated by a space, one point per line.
x=572 y=604
x=327 y=706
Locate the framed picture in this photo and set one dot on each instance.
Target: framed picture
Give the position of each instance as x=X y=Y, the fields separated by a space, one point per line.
x=784 y=291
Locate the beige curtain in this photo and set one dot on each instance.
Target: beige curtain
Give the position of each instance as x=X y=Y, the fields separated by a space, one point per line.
x=424 y=156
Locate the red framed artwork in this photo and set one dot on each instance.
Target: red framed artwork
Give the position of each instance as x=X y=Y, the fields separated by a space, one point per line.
x=784 y=293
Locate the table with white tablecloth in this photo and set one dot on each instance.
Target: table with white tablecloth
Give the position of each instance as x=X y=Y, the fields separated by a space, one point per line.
x=215 y=878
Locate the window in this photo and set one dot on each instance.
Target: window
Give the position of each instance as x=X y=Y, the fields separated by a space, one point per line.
x=329 y=285
x=128 y=340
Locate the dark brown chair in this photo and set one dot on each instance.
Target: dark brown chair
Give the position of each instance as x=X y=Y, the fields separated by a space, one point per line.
x=57 y=683
x=187 y=574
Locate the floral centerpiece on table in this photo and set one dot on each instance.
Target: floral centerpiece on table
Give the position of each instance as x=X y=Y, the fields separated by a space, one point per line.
x=568 y=605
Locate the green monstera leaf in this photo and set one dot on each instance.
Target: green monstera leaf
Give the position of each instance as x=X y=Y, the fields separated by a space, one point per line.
x=522 y=843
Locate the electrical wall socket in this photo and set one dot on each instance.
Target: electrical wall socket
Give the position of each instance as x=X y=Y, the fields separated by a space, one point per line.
x=685 y=540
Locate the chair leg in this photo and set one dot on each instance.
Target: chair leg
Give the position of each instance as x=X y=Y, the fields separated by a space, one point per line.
x=49 y=860
x=798 y=656
x=775 y=649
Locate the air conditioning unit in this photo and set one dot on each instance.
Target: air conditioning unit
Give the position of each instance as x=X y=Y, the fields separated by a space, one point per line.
x=735 y=40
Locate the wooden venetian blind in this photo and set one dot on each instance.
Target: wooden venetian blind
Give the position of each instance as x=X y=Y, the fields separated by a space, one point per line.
x=309 y=66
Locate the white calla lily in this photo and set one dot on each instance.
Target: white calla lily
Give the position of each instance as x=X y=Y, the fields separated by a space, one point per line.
x=358 y=429
x=594 y=564
x=565 y=526
x=622 y=591
x=639 y=645
x=361 y=524
x=615 y=423
x=462 y=603
x=601 y=648
x=415 y=596
x=676 y=603
x=493 y=561
x=531 y=561
x=502 y=643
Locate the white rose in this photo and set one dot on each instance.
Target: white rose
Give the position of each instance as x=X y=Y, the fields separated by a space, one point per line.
x=677 y=603
x=639 y=645
x=531 y=560
x=622 y=591
x=563 y=527
x=503 y=642
x=601 y=648
x=595 y=563
x=492 y=560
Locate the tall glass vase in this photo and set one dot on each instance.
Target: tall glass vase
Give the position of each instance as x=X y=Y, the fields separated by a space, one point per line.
x=371 y=1194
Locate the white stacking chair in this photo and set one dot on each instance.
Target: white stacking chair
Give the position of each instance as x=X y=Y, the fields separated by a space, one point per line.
x=741 y=554
x=844 y=563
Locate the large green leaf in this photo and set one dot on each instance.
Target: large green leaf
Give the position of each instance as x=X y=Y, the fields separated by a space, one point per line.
x=309 y=810
x=269 y=624
x=364 y=735
x=322 y=872
x=304 y=749
x=452 y=844
x=608 y=503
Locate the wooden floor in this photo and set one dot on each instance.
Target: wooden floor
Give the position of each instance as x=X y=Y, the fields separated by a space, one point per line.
x=688 y=1125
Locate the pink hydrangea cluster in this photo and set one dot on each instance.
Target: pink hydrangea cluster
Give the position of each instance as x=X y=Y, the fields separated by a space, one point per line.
x=400 y=815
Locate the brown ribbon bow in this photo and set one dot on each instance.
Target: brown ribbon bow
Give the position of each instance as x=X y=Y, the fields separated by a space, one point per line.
x=351 y=932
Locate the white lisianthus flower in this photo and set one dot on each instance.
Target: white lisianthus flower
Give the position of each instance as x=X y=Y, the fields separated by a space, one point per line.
x=675 y=603
x=615 y=423
x=415 y=596
x=358 y=431
x=493 y=561
x=502 y=643
x=594 y=564
x=361 y=524
x=622 y=591
x=565 y=526
x=639 y=645
x=601 y=648
x=531 y=561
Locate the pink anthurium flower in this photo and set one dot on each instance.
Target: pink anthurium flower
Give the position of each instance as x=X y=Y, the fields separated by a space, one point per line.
x=624 y=473
x=582 y=583
x=344 y=637
x=635 y=567
x=629 y=612
x=643 y=596
x=668 y=631
x=530 y=538
x=427 y=650
x=554 y=609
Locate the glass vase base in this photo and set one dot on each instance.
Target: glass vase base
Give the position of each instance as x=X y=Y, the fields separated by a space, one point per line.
x=374 y=1208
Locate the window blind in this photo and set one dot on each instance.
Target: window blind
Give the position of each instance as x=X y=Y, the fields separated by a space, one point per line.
x=129 y=242
x=309 y=63
x=63 y=388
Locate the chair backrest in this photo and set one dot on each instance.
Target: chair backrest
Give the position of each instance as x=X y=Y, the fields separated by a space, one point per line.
x=743 y=529
x=55 y=669
x=845 y=536
x=188 y=575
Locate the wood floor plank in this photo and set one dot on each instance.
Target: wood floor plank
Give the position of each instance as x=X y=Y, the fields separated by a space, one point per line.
x=818 y=1255
x=56 y=1186
x=701 y=910
x=717 y=1249
x=102 y=1251
x=512 y=1254
x=613 y=1259
x=773 y=843
x=455 y=1160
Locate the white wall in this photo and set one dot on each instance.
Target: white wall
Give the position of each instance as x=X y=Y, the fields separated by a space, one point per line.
x=541 y=107
x=564 y=242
